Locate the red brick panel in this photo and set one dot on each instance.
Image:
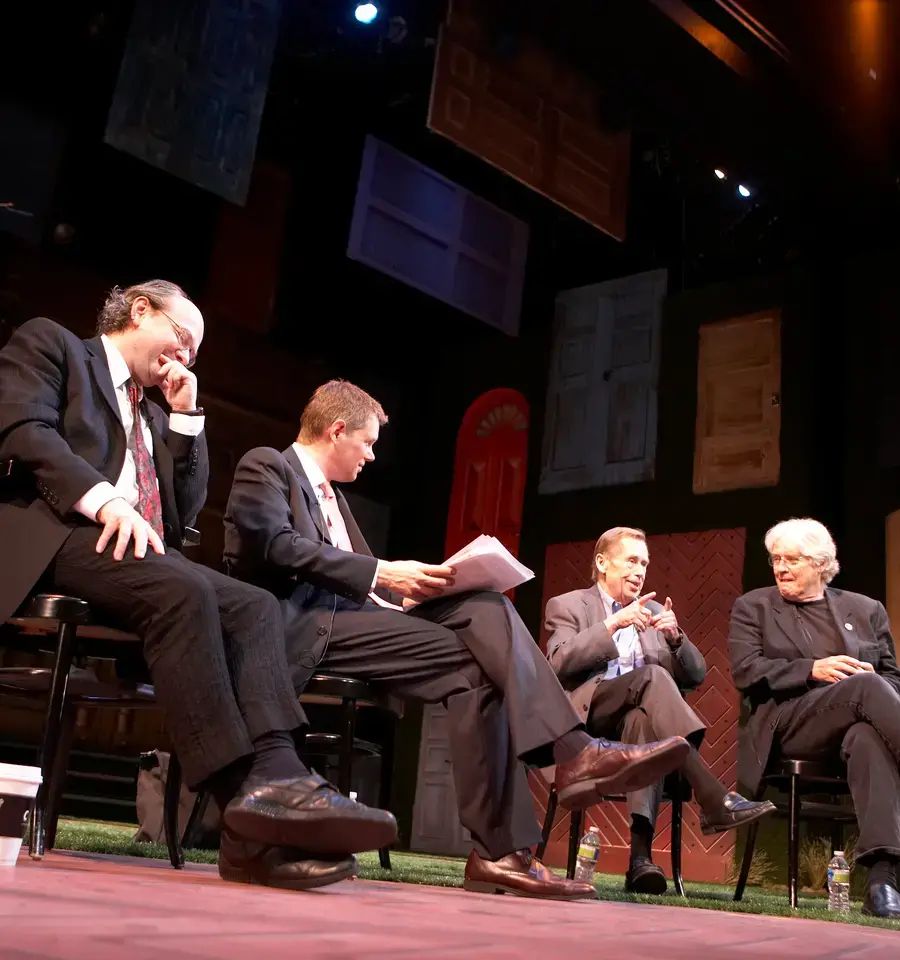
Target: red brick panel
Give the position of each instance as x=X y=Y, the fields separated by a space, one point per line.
x=702 y=573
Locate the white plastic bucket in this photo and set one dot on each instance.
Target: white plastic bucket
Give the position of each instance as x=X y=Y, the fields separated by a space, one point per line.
x=18 y=788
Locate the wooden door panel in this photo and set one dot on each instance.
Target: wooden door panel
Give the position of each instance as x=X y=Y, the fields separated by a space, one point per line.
x=600 y=427
x=738 y=428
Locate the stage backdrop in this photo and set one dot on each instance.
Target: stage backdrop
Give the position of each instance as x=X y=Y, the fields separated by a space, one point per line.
x=701 y=572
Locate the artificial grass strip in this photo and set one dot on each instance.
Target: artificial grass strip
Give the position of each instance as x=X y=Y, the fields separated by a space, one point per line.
x=110 y=838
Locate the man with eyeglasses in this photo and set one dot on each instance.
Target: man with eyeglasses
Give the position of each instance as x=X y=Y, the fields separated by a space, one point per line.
x=102 y=489
x=627 y=665
x=819 y=670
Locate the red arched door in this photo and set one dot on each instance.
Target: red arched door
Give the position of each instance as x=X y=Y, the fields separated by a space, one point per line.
x=489 y=471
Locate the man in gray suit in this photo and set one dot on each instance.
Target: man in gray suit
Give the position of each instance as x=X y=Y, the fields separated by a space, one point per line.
x=626 y=664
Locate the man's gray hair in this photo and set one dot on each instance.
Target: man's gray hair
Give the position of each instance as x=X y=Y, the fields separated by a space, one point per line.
x=813 y=539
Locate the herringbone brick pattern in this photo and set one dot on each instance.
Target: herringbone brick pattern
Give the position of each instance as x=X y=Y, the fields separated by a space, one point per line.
x=702 y=573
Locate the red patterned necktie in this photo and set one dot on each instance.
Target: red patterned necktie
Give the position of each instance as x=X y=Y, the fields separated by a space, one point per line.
x=149 y=506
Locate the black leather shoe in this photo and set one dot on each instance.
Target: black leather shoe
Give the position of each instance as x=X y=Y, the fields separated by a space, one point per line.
x=735 y=811
x=242 y=861
x=644 y=876
x=310 y=814
x=882 y=900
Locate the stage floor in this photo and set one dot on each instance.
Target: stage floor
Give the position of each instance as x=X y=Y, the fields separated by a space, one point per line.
x=93 y=907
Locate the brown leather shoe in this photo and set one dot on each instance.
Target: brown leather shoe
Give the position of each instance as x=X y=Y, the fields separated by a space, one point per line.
x=523 y=876
x=606 y=768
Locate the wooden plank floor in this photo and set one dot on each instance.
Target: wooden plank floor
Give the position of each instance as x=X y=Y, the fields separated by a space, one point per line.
x=92 y=907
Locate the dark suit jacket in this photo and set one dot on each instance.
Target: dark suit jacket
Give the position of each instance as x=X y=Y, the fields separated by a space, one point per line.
x=59 y=422
x=275 y=537
x=771 y=660
x=580 y=647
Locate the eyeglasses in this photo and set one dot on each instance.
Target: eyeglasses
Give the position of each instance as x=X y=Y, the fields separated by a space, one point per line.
x=184 y=340
x=790 y=562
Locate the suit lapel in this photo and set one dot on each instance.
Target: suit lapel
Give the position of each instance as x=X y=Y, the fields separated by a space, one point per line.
x=312 y=502
x=847 y=625
x=100 y=371
x=786 y=618
x=357 y=540
x=593 y=602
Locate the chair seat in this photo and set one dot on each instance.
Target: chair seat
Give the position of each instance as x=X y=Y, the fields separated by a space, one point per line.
x=333 y=741
x=53 y=606
x=825 y=770
x=82 y=687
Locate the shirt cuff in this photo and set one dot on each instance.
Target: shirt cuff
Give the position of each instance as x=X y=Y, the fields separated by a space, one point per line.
x=89 y=505
x=188 y=426
x=375 y=578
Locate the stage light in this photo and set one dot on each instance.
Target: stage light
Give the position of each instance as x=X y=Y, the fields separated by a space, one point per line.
x=720 y=173
x=365 y=12
x=743 y=191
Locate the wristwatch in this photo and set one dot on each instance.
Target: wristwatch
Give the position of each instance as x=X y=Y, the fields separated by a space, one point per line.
x=191 y=413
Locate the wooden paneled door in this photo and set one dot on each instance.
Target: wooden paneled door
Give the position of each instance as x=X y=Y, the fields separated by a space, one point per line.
x=600 y=426
x=739 y=404
x=487 y=496
x=702 y=573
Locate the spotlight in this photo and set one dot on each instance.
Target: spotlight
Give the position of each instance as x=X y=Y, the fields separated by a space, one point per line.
x=720 y=173
x=365 y=12
x=743 y=191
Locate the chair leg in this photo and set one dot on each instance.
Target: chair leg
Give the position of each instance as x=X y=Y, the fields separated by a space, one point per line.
x=575 y=824
x=837 y=829
x=47 y=759
x=793 y=842
x=59 y=774
x=345 y=768
x=550 y=816
x=749 y=847
x=677 y=811
x=198 y=812
x=171 y=799
x=384 y=784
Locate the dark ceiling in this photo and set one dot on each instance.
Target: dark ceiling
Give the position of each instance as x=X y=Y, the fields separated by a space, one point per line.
x=777 y=92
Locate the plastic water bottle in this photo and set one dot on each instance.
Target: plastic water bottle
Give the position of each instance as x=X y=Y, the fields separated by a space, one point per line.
x=588 y=855
x=839 y=883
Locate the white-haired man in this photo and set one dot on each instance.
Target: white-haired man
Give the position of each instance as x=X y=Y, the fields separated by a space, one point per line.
x=819 y=670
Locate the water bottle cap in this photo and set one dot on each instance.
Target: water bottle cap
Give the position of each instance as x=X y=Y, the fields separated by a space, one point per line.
x=838 y=853
x=593 y=829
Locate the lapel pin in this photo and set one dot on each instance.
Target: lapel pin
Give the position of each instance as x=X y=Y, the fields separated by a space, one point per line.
x=849 y=626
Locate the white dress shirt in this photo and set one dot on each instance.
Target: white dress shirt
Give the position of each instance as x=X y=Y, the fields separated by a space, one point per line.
x=126 y=485
x=339 y=536
x=627 y=641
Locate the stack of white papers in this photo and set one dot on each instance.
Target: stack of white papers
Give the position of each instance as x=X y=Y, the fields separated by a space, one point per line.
x=485 y=564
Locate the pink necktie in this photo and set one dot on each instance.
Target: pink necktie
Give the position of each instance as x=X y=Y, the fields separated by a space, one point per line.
x=337 y=531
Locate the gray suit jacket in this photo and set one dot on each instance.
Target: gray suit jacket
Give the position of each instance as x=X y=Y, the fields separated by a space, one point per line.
x=580 y=647
x=771 y=660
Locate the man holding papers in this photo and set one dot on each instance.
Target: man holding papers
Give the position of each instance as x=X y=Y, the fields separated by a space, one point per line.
x=627 y=664
x=404 y=625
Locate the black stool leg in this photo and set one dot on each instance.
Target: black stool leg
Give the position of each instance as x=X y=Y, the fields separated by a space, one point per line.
x=170 y=812
x=547 y=829
x=47 y=759
x=345 y=769
x=575 y=824
x=58 y=774
x=794 y=841
x=677 y=811
x=384 y=784
x=749 y=847
x=198 y=812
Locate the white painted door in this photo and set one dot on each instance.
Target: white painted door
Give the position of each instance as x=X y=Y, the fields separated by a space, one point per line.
x=436 y=827
x=600 y=426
